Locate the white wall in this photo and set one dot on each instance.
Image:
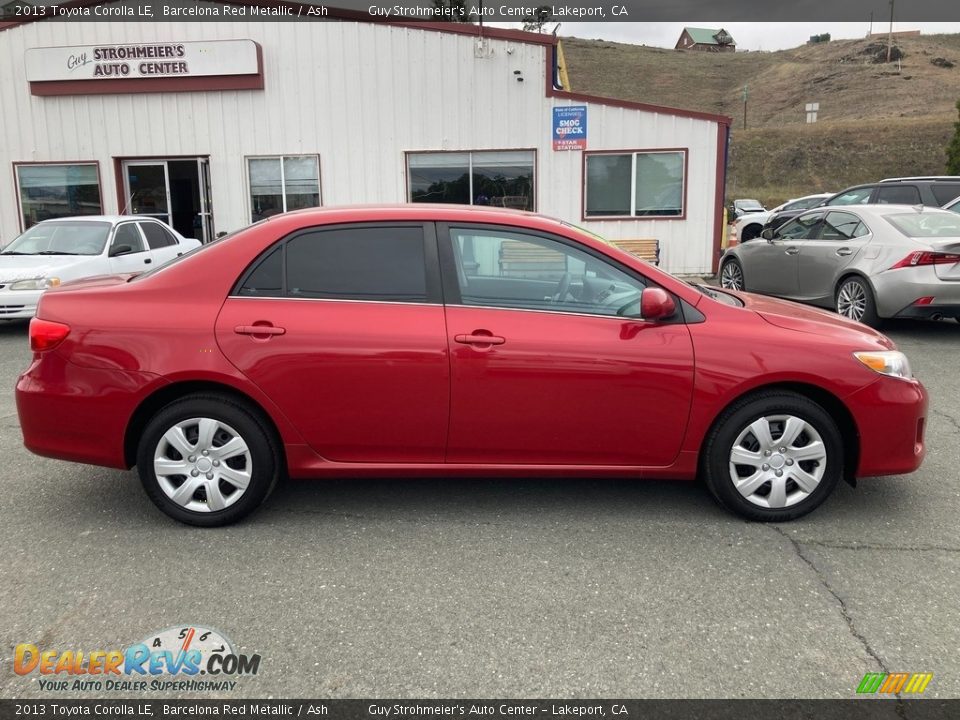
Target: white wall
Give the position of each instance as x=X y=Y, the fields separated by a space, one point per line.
x=356 y=94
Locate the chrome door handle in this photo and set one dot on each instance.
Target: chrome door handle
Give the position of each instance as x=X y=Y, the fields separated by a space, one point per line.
x=792 y=251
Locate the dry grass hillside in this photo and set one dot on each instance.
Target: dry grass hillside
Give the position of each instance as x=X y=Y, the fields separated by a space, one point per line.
x=877 y=119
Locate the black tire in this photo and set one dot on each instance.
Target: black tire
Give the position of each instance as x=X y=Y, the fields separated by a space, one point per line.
x=736 y=420
x=750 y=232
x=729 y=271
x=260 y=462
x=847 y=301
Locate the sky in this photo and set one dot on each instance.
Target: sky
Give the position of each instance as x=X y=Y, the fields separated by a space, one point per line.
x=749 y=36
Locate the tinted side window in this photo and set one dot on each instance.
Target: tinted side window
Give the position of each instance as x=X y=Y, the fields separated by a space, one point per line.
x=382 y=263
x=127 y=234
x=944 y=192
x=266 y=279
x=853 y=197
x=898 y=194
x=841 y=226
x=800 y=228
x=157 y=235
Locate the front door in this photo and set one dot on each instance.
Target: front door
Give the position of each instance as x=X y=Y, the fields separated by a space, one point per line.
x=343 y=328
x=551 y=363
x=771 y=266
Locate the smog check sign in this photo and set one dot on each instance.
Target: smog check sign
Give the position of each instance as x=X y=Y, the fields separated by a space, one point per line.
x=570 y=127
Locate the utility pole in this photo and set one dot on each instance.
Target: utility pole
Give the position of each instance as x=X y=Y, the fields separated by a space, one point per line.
x=744 y=107
x=890 y=33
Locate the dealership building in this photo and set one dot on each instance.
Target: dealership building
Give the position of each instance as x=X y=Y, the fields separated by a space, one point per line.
x=213 y=125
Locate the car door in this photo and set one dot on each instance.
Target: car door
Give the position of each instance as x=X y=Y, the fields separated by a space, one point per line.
x=836 y=243
x=162 y=243
x=550 y=363
x=128 y=250
x=770 y=266
x=343 y=328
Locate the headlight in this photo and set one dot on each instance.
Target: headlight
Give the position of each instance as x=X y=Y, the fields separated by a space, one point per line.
x=886 y=362
x=35 y=284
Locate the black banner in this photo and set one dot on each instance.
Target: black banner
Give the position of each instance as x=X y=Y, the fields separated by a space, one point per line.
x=872 y=709
x=478 y=11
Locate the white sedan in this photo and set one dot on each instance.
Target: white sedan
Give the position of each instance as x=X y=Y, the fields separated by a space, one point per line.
x=748 y=226
x=53 y=252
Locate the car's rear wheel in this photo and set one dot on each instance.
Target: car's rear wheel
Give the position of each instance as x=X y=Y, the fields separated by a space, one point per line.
x=731 y=275
x=206 y=460
x=750 y=232
x=773 y=456
x=854 y=300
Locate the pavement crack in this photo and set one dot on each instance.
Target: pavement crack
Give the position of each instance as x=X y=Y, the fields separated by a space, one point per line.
x=950 y=418
x=880 y=547
x=844 y=610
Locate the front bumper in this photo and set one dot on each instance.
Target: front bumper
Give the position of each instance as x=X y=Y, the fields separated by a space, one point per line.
x=891 y=415
x=18 y=304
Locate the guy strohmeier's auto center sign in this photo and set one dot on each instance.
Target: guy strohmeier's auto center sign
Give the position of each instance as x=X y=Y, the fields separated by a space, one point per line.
x=142 y=60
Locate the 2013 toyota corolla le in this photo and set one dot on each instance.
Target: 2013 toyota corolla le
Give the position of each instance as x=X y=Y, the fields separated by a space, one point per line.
x=441 y=340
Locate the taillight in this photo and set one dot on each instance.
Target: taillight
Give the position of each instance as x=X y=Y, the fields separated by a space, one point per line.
x=922 y=257
x=46 y=334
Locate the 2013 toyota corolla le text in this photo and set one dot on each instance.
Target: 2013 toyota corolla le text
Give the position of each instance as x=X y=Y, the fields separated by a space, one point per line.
x=441 y=340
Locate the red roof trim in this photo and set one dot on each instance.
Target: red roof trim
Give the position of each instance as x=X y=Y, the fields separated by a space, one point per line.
x=647 y=107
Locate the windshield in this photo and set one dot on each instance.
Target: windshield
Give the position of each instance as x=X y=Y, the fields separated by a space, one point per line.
x=716 y=294
x=61 y=238
x=926 y=225
x=748 y=205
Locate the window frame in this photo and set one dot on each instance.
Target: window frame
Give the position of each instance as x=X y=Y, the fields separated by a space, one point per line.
x=434 y=293
x=633 y=183
x=136 y=228
x=451 y=282
x=281 y=157
x=534 y=195
x=163 y=228
x=17 y=164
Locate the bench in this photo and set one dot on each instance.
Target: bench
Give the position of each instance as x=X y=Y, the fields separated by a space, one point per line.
x=644 y=248
x=522 y=259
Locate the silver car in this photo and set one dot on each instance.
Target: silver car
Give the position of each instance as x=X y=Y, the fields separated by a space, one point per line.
x=867 y=262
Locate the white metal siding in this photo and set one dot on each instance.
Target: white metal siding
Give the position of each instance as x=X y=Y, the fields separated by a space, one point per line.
x=356 y=94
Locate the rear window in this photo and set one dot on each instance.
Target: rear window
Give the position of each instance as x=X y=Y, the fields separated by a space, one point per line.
x=926 y=225
x=898 y=195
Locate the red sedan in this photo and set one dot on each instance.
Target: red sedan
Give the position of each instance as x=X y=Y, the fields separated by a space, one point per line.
x=443 y=340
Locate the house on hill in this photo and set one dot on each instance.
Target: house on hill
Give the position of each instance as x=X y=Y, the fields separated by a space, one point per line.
x=707 y=39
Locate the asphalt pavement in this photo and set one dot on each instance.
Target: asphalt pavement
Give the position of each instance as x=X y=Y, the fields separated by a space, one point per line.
x=496 y=588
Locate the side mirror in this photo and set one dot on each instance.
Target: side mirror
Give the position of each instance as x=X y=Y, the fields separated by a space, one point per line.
x=656 y=303
x=120 y=250
x=768 y=234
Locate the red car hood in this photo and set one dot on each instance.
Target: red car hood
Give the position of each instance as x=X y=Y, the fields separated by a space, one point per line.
x=802 y=318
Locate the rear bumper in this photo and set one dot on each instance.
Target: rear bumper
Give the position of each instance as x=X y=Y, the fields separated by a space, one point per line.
x=77 y=413
x=933 y=311
x=891 y=417
x=898 y=290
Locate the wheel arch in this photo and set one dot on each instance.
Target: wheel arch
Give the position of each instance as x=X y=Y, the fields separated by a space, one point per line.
x=846 y=275
x=834 y=406
x=172 y=392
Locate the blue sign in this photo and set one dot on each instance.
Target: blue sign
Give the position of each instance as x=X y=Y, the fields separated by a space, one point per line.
x=570 y=127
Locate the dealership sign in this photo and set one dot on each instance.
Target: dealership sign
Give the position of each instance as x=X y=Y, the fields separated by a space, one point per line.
x=206 y=65
x=570 y=127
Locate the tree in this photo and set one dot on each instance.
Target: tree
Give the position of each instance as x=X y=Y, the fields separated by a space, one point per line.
x=953 y=149
x=539 y=18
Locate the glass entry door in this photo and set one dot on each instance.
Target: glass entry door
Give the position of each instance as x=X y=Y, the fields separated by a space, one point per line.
x=148 y=189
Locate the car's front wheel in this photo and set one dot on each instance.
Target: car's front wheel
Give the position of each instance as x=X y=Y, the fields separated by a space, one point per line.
x=206 y=460
x=773 y=456
x=731 y=275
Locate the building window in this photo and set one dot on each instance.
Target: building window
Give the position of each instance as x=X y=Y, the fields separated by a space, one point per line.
x=282 y=183
x=638 y=184
x=502 y=178
x=55 y=191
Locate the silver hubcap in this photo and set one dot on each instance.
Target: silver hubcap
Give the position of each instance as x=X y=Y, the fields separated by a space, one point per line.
x=731 y=277
x=777 y=461
x=852 y=300
x=202 y=464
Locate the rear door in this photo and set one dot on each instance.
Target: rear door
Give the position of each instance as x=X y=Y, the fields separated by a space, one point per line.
x=163 y=244
x=343 y=328
x=836 y=243
x=551 y=363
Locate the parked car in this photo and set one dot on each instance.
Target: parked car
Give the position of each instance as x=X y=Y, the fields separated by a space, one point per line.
x=953 y=205
x=744 y=206
x=751 y=225
x=867 y=262
x=398 y=342
x=53 y=252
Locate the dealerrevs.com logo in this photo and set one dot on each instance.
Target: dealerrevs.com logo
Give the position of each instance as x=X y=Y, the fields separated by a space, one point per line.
x=185 y=658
